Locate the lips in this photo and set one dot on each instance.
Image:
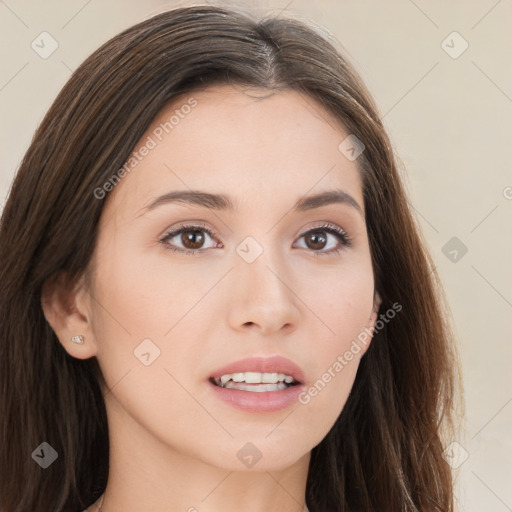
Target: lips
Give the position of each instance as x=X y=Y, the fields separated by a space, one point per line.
x=273 y=364
x=246 y=399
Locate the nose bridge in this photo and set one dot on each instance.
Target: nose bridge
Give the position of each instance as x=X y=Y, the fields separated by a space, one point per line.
x=263 y=296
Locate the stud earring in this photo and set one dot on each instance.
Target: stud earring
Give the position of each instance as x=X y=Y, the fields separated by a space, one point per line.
x=77 y=339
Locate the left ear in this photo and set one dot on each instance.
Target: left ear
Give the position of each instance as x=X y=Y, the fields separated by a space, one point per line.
x=366 y=337
x=377 y=301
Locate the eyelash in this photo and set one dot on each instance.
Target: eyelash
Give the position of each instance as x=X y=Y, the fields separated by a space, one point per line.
x=339 y=233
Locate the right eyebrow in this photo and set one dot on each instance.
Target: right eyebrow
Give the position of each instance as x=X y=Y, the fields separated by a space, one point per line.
x=194 y=197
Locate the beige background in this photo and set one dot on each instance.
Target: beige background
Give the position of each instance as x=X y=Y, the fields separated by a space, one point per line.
x=449 y=119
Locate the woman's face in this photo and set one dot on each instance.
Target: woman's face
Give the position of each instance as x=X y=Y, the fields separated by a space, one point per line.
x=249 y=279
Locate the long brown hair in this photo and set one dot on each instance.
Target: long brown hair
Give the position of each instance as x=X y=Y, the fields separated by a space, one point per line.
x=385 y=451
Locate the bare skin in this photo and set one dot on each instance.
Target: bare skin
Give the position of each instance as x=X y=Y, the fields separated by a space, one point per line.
x=173 y=443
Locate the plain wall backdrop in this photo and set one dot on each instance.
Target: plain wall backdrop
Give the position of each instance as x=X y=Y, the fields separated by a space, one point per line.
x=441 y=78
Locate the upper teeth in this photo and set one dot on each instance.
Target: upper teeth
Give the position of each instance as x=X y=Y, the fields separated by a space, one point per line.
x=256 y=378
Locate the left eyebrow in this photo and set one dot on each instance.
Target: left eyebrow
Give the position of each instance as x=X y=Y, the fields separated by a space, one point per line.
x=224 y=202
x=326 y=198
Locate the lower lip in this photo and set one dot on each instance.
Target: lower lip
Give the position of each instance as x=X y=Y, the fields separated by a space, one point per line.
x=251 y=401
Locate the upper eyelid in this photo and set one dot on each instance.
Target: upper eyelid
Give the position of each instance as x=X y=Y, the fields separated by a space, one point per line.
x=212 y=232
x=198 y=224
x=190 y=226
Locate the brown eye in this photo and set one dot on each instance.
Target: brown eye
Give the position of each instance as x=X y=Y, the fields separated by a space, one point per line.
x=315 y=241
x=192 y=239
x=187 y=239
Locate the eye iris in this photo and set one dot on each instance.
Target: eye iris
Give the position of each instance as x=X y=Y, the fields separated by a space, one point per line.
x=315 y=238
x=192 y=239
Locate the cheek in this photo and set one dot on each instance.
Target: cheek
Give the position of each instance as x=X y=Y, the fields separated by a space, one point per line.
x=343 y=305
x=127 y=311
x=140 y=295
x=323 y=400
x=342 y=299
x=143 y=306
x=334 y=364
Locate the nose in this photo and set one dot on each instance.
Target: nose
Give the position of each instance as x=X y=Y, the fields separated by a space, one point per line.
x=264 y=299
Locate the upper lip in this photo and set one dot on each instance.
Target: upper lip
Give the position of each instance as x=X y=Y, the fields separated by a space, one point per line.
x=262 y=364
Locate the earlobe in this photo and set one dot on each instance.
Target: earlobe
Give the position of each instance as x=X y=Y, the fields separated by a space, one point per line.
x=369 y=329
x=69 y=316
x=377 y=301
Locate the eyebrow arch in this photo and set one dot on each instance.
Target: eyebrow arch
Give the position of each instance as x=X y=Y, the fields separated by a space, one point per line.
x=224 y=202
x=325 y=198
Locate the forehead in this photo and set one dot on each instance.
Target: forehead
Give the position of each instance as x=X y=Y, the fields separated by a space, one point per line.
x=260 y=147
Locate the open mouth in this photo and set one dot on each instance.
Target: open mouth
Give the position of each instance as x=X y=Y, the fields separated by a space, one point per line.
x=255 y=381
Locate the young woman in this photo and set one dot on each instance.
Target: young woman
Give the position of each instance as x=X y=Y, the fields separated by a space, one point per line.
x=214 y=295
